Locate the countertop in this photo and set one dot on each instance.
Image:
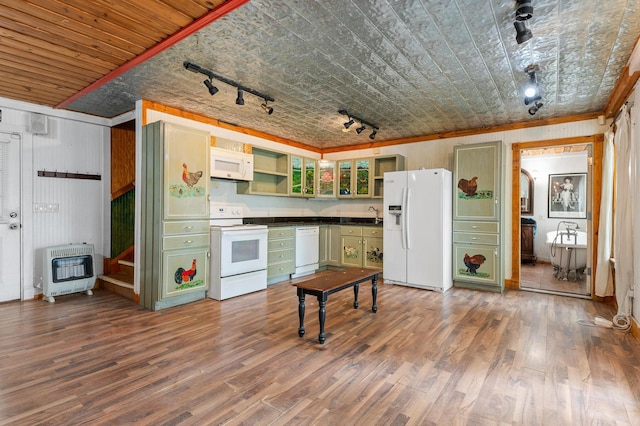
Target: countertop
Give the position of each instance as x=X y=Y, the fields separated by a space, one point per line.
x=311 y=220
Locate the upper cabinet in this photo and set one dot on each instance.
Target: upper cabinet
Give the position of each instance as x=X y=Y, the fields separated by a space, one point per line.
x=354 y=178
x=302 y=172
x=270 y=174
x=382 y=165
x=477 y=180
x=326 y=186
x=277 y=173
x=186 y=172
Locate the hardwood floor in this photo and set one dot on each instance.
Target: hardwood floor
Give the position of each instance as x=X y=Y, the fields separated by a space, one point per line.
x=541 y=277
x=462 y=357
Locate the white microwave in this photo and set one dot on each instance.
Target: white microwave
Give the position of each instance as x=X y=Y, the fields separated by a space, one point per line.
x=232 y=165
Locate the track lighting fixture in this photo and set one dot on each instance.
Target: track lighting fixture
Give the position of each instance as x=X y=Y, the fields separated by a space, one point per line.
x=267 y=108
x=190 y=66
x=531 y=91
x=523 y=33
x=535 y=107
x=524 y=10
x=363 y=124
x=212 y=89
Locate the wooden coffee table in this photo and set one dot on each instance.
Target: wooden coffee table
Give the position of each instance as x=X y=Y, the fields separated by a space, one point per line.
x=328 y=283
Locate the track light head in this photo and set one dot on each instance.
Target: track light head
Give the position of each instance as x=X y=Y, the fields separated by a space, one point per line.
x=212 y=89
x=531 y=91
x=523 y=34
x=524 y=10
x=372 y=136
x=360 y=129
x=535 y=107
x=267 y=108
x=240 y=98
x=348 y=123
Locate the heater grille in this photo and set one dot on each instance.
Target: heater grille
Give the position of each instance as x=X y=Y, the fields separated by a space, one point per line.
x=68 y=269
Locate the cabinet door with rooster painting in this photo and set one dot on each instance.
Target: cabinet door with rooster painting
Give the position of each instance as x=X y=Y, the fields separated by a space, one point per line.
x=186 y=173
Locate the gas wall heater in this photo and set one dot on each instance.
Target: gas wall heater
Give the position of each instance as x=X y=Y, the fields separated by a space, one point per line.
x=68 y=269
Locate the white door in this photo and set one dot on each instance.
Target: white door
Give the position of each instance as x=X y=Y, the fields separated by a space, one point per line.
x=395 y=261
x=10 y=218
x=424 y=209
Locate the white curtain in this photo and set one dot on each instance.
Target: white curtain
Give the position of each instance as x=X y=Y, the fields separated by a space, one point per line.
x=604 y=279
x=625 y=189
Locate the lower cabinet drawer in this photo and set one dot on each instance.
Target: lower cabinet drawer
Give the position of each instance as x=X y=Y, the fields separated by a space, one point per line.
x=279 y=256
x=283 y=268
x=184 y=241
x=473 y=238
x=280 y=244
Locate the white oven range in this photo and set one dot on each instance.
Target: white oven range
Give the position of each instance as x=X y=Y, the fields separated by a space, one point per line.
x=238 y=253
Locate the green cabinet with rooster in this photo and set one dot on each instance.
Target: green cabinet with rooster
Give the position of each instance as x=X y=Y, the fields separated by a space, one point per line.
x=174 y=215
x=478 y=229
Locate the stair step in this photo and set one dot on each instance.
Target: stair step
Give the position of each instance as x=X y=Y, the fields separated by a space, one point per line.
x=120 y=283
x=125 y=263
x=117 y=280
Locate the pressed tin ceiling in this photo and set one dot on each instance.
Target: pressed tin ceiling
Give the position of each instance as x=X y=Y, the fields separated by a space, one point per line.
x=411 y=67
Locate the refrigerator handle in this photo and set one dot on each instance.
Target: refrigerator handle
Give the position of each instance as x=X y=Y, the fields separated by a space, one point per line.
x=403 y=228
x=407 y=207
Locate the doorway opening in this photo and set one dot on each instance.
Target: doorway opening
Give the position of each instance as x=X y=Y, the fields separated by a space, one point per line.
x=555 y=208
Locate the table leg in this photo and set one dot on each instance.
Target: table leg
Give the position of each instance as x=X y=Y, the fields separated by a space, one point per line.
x=374 y=292
x=355 y=296
x=301 y=311
x=322 y=315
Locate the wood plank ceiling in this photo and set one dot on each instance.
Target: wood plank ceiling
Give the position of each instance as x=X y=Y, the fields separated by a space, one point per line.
x=51 y=50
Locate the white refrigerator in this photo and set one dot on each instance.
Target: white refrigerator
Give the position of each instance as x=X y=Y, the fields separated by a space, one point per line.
x=417 y=228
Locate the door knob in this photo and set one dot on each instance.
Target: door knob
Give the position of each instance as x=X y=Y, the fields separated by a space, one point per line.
x=13 y=215
x=13 y=226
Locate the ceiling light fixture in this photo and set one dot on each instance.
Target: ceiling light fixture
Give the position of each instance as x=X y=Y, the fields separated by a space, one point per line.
x=190 y=66
x=535 y=107
x=524 y=10
x=523 y=33
x=363 y=124
x=531 y=91
x=212 y=89
x=348 y=123
x=267 y=108
x=240 y=98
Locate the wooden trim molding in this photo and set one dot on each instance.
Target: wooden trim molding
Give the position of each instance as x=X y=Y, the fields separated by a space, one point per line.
x=621 y=92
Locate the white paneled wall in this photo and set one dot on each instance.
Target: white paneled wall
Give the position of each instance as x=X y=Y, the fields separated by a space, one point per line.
x=58 y=211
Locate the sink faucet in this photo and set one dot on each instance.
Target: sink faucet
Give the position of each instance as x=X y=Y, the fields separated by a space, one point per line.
x=378 y=220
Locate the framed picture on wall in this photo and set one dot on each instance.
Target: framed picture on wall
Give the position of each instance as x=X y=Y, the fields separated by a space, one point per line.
x=568 y=196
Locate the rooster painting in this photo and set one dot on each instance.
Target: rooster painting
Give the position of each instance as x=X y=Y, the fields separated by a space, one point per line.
x=469 y=187
x=184 y=275
x=190 y=178
x=473 y=262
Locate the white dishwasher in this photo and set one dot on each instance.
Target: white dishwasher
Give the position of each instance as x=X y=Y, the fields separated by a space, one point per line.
x=307 y=249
